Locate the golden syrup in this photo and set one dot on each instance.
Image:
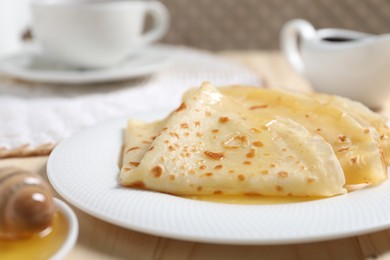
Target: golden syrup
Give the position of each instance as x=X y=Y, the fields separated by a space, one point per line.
x=39 y=246
x=250 y=199
x=121 y=154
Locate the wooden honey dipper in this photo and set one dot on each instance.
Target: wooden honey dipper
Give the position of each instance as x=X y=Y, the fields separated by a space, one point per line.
x=26 y=203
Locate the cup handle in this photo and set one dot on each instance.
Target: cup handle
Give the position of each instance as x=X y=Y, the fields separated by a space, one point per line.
x=160 y=25
x=293 y=32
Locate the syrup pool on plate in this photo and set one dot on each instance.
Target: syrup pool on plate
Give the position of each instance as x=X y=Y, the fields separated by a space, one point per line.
x=42 y=245
x=250 y=199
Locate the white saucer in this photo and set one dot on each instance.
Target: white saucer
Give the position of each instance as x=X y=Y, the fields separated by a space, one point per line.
x=29 y=64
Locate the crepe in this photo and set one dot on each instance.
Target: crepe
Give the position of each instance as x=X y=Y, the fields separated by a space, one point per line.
x=349 y=128
x=364 y=115
x=212 y=144
x=138 y=137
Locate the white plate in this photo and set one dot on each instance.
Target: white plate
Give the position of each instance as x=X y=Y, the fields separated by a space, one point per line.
x=84 y=170
x=30 y=64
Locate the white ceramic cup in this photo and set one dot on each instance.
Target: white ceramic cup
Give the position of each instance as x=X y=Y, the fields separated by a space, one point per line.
x=337 y=61
x=95 y=34
x=14 y=18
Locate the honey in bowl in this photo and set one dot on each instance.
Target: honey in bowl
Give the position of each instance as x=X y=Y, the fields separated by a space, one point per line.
x=33 y=224
x=42 y=245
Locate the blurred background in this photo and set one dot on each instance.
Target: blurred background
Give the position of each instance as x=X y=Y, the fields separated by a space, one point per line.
x=255 y=24
x=231 y=24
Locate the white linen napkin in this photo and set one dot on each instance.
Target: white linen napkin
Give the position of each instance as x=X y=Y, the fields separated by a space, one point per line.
x=34 y=117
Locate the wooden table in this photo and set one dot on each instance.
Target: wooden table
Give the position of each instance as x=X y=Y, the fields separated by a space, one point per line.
x=100 y=240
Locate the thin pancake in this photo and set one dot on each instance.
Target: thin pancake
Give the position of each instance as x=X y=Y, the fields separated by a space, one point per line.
x=356 y=146
x=212 y=145
x=138 y=138
x=363 y=114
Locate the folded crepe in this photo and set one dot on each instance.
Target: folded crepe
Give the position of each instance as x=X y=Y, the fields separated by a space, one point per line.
x=364 y=115
x=347 y=126
x=212 y=144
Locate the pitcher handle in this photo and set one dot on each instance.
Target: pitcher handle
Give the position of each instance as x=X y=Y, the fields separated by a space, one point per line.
x=291 y=33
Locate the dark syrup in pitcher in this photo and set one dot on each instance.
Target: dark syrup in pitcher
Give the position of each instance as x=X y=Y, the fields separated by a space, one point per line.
x=337 y=39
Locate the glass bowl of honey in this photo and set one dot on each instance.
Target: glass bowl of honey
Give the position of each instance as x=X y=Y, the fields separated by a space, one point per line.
x=55 y=242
